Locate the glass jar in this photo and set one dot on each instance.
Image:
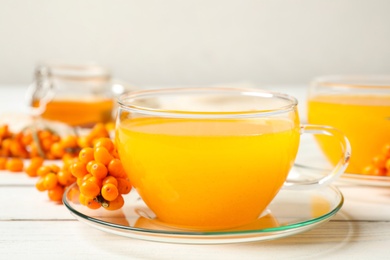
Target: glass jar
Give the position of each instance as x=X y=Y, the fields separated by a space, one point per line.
x=78 y=95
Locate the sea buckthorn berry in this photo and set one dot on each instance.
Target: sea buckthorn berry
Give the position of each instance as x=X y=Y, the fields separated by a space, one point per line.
x=34 y=150
x=14 y=165
x=39 y=184
x=50 y=181
x=102 y=155
x=82 y=199
x=99 y=130
x=91 y=203
x=44 y=134
x=379 y=171
x=116 y=204
x=3 y=152
x=55 y=138
x=86 y=155
x=78 y=169
x=89 y=165
x=31 y=171
x=86 y=177
x=33 y=167
x=115 y=168
x=65 y=178
x=54 y=168
x=95 y=180
x=379 y=161
x=106 y=143
x=27 y=139
x=5 y=147
x=89 y=189
x=3 y=161
x=56 y=193
x=17 y=149
x=79 y=181
x=46 y=144
x=84 y=141
x=99 y=170
x=109 y=192
x=110 y=179
x=57 y=150
x=69 y=141
x=4 y=131
x=124 y=186
x=68 y=159
x=43 y=170
x=36 y=162
x=17 y=136
x=50 y=156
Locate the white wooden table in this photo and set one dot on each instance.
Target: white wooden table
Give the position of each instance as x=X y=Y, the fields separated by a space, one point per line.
x=31 y=227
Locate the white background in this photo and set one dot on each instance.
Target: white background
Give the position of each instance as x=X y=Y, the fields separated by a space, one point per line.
x=182 y=42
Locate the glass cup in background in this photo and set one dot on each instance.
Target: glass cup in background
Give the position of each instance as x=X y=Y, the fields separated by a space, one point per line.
x=75 y=94
x=213 y=158
x=359 y=106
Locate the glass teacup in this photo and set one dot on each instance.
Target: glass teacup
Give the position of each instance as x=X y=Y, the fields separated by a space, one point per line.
x=360 y=107
x=213 y=158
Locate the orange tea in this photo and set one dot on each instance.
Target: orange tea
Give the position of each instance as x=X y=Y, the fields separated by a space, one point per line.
x=364 y=119
x=185 y=169
x=79 y=112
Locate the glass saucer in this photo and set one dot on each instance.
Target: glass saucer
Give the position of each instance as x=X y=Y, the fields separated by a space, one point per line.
x=291 y=212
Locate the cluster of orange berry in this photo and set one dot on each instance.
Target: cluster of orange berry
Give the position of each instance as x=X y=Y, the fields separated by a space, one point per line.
x=33 y=142
x=53 y=179
x=44 y=143
x=380 y=164
x=91 y=160
x=100 y=176
x=11 y=146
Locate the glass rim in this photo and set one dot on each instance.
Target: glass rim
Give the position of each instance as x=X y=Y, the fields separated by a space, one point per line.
x=124 y=102
x=369 y=81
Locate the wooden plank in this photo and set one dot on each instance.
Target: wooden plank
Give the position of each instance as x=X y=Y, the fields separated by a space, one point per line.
x=72 y=239
x=16 y=179
x=24 y=203
x=365 y=203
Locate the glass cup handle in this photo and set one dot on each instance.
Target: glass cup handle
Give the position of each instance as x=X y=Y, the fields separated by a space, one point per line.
x=337 y=170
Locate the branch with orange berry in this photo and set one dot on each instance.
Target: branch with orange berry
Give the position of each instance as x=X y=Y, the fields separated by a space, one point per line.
x=90 y=160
